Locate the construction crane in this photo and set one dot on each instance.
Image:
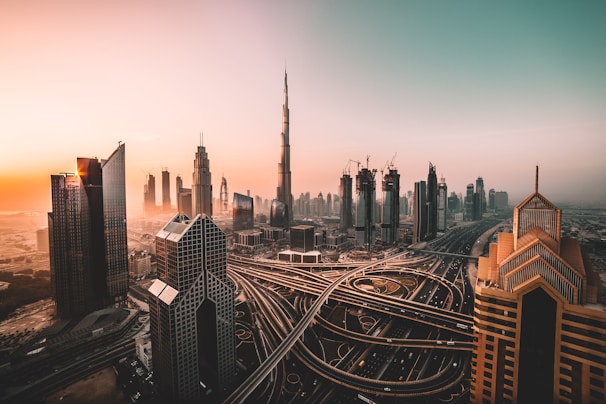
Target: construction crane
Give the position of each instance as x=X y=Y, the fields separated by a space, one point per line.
x=346 y=169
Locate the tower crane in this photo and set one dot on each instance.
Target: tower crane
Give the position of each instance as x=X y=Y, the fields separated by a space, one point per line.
x=346 y=169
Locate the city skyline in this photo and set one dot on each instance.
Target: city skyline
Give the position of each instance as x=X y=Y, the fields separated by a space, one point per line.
x=470 y=87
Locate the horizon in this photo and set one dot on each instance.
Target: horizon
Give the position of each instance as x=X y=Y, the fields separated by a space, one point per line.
x=479 y=90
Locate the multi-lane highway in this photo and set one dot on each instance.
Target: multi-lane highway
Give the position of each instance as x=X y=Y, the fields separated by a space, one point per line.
x=403 y=322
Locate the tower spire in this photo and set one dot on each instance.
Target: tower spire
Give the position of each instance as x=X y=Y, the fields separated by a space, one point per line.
x=536 y=180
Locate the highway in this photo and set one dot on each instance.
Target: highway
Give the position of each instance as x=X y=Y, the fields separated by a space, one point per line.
x=240 y=393
x=421 y=339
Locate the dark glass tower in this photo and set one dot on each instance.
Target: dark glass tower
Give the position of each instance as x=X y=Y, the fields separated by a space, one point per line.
x=149 y=195
x=165 y=190
x=391 y=207
x=442 y=204
x=432 y=203
x=345 y=192
x=178 y=185
x=482 y=196
x=243 y=212
x=420 y=212
x=192 y=311
x=469 y=203
x=278 y=214
x=365 y=211
x=87 y=236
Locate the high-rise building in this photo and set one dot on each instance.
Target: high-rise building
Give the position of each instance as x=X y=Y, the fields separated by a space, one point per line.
x=345 y=192
x=87 y=236
x=165 y=190
x=302 y=238
x=202 y=188
x=454 y=203
x=390 y=223
x=328 y=211
x=442 y=204
x=149 y=195
x=432 y=203
x=482 y=196
x=284 y=193
x=278 y=214
x=243 y=212
x=191 y=308
x=501 y=200
x=178 y=185
x=366 y=208
x=320 y=205
x=223 y=195
x=469 y=209
x=539 y=334
x=184 y=202
x=420 y=212
x=491 y=199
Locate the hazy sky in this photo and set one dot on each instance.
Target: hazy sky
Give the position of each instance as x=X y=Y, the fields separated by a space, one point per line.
x=478 y=88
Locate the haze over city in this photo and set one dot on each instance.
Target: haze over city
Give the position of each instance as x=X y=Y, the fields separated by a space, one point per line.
x=478 y=89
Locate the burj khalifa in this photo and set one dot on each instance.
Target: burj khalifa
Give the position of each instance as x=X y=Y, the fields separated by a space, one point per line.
x=284 y=194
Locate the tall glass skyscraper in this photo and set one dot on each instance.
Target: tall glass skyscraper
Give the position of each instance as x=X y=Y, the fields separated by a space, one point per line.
x=432 y=203
x=391 y=207
x=87 y=236
x=345 y=192
x=366 y=208
x=420 y=212
x=166 y=190
x=149 y=195
x=442 y=204
x=243 y=212
x=192 y=310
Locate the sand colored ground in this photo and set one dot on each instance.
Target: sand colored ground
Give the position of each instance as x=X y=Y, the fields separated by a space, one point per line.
x=98 y=388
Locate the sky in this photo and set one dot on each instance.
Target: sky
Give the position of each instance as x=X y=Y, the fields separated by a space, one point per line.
x=477 y=88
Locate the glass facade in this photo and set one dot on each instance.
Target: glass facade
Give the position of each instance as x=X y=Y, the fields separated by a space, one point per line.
x=87 y=236
x=243 y=212
x=278 y=214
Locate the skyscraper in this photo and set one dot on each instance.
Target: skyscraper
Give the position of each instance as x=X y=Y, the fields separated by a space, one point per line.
x=469 y=203
x=184 y=202
x=191 y=310
x=539 y=335
x=202 y=188
x=482 y=196
x=432 y=203
x=178 y=185
x=149 y=195
x=420 y=212
x=243 y=212
x=442 y=204
x=366 y=208
x=223 y=195
x=165 y=190
x=284 y=193
x=345 y=192
x=87 y=236
x=391 y=207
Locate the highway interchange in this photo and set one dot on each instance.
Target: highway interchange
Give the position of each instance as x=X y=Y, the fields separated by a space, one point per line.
x=378 y=331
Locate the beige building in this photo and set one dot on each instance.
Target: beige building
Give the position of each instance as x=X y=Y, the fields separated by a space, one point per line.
x=540 y=321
